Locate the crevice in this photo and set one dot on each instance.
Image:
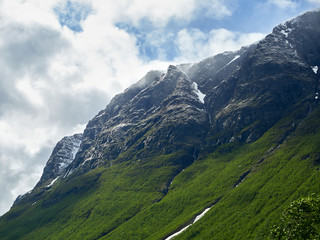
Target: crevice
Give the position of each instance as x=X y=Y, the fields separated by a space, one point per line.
x=241 y=179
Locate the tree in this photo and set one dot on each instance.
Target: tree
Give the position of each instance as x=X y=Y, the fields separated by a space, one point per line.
x=301 y=220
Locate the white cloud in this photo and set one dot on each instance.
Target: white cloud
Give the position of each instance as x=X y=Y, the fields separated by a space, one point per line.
x=283 y=4
x=314 y=1
x=159 y=13
x=196 y=45
x=28 y=12
x=215 y=9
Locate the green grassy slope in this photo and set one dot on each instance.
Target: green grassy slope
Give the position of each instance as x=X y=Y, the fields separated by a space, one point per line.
x=287 y=172
x=131 y=200
x=275 y=175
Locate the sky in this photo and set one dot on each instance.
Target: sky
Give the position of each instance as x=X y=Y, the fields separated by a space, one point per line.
x=61 y=62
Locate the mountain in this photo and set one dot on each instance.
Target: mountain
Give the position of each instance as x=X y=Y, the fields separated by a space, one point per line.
x=63 y=154
x=216 y=148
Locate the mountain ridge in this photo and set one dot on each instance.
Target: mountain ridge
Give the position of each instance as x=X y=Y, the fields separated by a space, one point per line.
x=159 y=154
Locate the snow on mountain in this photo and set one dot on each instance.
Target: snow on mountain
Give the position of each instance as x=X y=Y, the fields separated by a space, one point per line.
x=200 y=95
x=235 y=58
x=63 y=154
x=315 y=69
x=198 y=217
x=53 y=181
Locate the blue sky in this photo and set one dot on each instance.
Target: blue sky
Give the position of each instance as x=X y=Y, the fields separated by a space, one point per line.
x=72 y=14
x=61 y=62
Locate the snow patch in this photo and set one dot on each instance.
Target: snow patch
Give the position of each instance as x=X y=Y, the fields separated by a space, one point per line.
x=198 y=92
x=63 y=165
x=286 y=32
x=68 y=151
x=201 y=215
x=185 y=228
x=315 y=69
x=53 y=181
x=75 y=150
x=235 y=58
x=225 y=53
x=177 y=233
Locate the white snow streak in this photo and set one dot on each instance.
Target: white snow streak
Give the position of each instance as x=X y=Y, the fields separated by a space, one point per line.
x=185 y=228
x=53 y=181
x=201 y=215
x=235 y=58
x=177 y=233
x=75 y=150
x=198 y=92
x=315 y=69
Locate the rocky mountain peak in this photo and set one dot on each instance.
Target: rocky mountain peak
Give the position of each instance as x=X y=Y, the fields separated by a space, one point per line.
x=157 y=101
x=301 y=34
x=62 y=156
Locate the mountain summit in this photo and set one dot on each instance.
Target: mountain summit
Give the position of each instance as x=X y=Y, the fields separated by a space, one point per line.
x=215 y=148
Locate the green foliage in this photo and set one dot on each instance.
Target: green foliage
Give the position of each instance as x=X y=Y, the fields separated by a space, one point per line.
x=301 y=220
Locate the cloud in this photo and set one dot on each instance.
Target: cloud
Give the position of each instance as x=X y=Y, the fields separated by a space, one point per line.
x=160 y=14
x=215 y=9
x=196 y=45
x=314 y=1
x=20 y=172
x=30 y=48
x=283 y=4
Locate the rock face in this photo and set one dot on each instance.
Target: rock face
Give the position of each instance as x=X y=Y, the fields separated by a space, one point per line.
x=249 y=94
x=63 y=154
x=159 y=115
